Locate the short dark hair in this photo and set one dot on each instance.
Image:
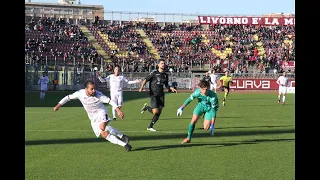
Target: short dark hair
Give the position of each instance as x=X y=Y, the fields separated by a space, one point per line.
x=161 y=60
x=88 y=83
x=203 y=84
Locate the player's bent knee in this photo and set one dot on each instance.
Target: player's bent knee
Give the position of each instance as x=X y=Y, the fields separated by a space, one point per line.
x=104 y=134
x=206 y=124
x=155 y=111
x=103 y=125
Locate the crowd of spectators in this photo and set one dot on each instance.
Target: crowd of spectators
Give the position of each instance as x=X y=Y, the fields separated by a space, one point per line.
x=132 y=54
x=48 y=40
x=185 y=46
x=278 y=43
x=182 y=46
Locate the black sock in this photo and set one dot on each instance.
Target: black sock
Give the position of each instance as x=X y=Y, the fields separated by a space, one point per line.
x=149 y=109
x=154 y=120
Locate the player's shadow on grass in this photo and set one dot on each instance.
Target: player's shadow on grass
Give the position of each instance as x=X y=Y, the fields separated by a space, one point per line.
x=158 y=136
x=210 y=145
x=275 y=104
x=168 y=118
x=175 y=118
x=206 y=134
x=247 y=99
x=239 y=127
x=230 y=117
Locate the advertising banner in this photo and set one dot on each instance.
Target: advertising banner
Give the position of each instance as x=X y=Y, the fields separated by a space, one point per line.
x=267 y=21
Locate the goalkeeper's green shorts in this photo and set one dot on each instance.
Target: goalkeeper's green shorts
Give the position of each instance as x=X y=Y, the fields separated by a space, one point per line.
x=200 y=109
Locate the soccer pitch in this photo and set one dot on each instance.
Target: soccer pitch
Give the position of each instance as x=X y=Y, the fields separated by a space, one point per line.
x=254 y=139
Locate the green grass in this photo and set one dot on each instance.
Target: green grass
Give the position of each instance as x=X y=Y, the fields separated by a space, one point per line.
x=254 y=139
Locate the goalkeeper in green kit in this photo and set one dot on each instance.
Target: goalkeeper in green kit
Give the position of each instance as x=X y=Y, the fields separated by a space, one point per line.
x=207 y=104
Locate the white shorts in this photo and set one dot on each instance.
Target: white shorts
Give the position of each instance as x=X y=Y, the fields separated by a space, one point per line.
x=282 y=89
x=213 y=86
x=116 y=97
x=96 y=121
x=44 y=88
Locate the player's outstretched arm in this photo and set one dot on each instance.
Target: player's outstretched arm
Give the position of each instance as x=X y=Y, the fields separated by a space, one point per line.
x=132 y=82
x=67 y=98
x=181 y=108
x=190 y=98
x=103 y=80
x=173 y=90
x=142 y=85
x=147 y=79
x=186 y=102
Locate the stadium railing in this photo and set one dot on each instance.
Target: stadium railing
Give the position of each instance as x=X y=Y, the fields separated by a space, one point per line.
x=74 y=79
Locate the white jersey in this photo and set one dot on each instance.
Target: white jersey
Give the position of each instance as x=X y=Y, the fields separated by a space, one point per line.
x=43 y=81
x=117 y=82
x=282 y=81
x=92 y=104
x=214 y=78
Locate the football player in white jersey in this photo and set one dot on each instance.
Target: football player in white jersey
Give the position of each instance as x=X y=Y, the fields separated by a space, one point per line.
x=116 y=85
x=283 y=83
x=215 y=80
x=93 y=102
x=43 y=81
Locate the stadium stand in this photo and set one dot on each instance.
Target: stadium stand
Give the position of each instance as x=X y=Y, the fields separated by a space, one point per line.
x=53 y=40
x=135 y=47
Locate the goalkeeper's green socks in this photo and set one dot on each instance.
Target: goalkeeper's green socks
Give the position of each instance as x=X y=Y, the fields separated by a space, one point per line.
x=190 y=130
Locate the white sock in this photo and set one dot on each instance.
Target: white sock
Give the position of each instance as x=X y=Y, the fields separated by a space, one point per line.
x=111 y=138
x=113 y=131
x=279 y=97
x=114 y=112
x=43 y=95
x=283 y=98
